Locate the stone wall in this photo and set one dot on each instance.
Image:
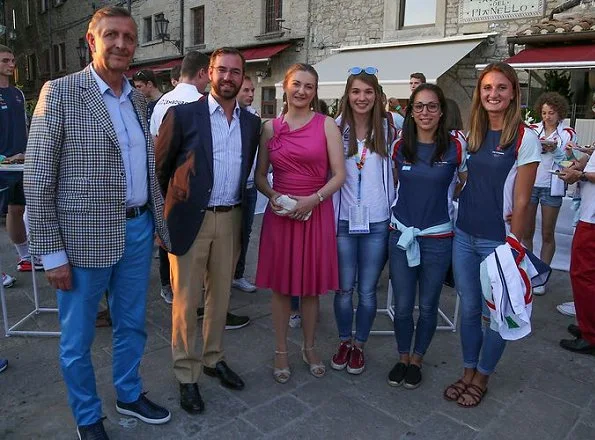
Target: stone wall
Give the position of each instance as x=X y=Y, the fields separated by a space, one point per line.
x=336 y=23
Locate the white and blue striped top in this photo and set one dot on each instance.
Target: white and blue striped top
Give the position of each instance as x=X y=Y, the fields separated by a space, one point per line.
x=227 y=155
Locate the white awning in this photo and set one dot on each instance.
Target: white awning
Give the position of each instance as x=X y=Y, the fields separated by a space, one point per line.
x=395 y=61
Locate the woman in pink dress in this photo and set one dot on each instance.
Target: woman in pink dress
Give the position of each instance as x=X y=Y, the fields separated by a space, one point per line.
x=298 y=248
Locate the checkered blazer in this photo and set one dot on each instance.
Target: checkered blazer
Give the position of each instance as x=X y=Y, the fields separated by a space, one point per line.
x=74 y=178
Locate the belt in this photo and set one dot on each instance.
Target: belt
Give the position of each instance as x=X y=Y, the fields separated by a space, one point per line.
x=222 y=208
x=135 y=211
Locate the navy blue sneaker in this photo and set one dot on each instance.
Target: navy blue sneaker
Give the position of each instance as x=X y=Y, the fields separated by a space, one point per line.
x=3 y=365
x=94 y=431
x=144 y=410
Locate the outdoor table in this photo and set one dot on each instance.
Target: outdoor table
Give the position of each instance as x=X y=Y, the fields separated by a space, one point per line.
x=13 y=330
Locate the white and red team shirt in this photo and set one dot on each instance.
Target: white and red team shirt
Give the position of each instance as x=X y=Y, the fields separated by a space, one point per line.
x=587 y=209
x=487 y=198
x=562 y=135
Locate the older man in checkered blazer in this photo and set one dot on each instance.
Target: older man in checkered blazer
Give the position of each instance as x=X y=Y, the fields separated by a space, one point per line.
x=94 y=204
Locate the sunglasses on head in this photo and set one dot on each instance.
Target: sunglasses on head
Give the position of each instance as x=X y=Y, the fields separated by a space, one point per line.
x=140 y=75
x=369 y=70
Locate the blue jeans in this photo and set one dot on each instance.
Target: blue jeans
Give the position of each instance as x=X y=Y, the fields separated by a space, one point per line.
x=127 y=282
x=468 y=253
x=363 y=255
x=435 y=258
x=247 y=220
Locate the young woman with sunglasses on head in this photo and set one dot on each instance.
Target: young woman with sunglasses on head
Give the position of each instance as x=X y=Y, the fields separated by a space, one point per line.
x=429 y=161
x=362 y=211
x=503 y=160
x=297 y=254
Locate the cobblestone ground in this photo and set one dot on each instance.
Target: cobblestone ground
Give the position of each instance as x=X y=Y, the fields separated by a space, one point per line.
x=538 y=392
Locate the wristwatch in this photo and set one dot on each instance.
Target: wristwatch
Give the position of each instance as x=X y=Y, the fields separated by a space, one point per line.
x=583 y=177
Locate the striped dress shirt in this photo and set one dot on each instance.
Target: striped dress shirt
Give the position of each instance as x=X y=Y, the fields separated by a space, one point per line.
x=227 y=155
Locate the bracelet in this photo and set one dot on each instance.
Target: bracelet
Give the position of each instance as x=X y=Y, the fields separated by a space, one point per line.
x=320 y=197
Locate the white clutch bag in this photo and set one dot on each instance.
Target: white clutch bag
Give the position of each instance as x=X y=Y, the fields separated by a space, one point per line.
x=287 y=203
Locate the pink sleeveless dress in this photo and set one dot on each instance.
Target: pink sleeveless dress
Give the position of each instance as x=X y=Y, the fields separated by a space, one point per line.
x=299 y=258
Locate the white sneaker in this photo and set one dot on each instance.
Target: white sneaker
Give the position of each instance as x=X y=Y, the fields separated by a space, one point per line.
x=295 y=320
x=539 y=291
x=244 y=285
x=7 y=280
x=167 y=294
x=567 y=308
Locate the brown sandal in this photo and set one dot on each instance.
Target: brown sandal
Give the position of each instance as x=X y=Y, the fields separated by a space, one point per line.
x=476 y=394
x=455 y=389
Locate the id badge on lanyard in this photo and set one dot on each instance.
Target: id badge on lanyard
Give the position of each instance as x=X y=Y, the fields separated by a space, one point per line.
x=359 y=215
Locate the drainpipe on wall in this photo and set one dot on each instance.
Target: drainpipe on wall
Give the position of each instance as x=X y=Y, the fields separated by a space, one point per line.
x=182 y=27
x=51 y=51
x=308 y=29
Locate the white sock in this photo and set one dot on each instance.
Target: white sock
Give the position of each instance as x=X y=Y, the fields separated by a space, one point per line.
x=23 y=250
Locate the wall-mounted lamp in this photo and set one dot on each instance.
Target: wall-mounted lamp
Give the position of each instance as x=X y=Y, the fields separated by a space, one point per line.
x=161 y=25
x=82 y=50
x=261 y=74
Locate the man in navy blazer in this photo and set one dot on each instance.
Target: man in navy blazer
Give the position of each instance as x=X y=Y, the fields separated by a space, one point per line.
x=203 y=157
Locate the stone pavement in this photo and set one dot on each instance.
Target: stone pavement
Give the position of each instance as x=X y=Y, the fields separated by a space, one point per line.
x=539 y=391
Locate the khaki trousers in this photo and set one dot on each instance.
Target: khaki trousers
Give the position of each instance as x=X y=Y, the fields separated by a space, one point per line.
x=210 y=260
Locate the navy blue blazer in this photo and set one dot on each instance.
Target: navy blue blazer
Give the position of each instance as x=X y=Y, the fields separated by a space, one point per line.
x=184 y=163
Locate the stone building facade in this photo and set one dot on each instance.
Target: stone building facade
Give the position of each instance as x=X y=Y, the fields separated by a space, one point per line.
x=309 y=30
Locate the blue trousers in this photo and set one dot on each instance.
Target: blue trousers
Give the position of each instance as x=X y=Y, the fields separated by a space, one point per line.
x=429 y=275
x=127 y=282
x=363 y=255
x=468 y=253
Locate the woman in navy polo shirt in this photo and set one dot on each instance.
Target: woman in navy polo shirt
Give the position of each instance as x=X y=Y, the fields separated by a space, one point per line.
x=503 y=157
x=429 y=160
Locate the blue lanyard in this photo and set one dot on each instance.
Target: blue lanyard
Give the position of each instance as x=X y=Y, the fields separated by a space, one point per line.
x=359 y=163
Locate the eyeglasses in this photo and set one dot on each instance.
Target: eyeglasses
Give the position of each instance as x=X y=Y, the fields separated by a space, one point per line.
x=369 y=70
x=432 y=107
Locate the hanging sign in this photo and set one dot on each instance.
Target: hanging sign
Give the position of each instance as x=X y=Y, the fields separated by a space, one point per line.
x=471 y=11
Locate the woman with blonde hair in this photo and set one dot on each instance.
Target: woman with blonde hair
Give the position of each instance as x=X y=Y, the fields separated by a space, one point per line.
x=297 y=255
x=503 y=157
x=362 y=212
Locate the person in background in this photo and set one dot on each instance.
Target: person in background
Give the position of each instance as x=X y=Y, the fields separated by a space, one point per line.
x=555 y=137
x=415 y=80
x=428 y=159
x=368 y=191
x=503 y=157
x=194 y=79
x=13 y=139
x=297 y=253
x=245 y=99
x=581 y=261
x=145 y=82
x=174 y=75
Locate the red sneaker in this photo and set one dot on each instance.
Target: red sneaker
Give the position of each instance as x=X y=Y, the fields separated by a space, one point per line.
x=356 y=363
x=341 y=357
x=25 y=265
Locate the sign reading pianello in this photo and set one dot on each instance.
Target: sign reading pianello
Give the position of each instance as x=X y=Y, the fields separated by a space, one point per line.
x=471 y=11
